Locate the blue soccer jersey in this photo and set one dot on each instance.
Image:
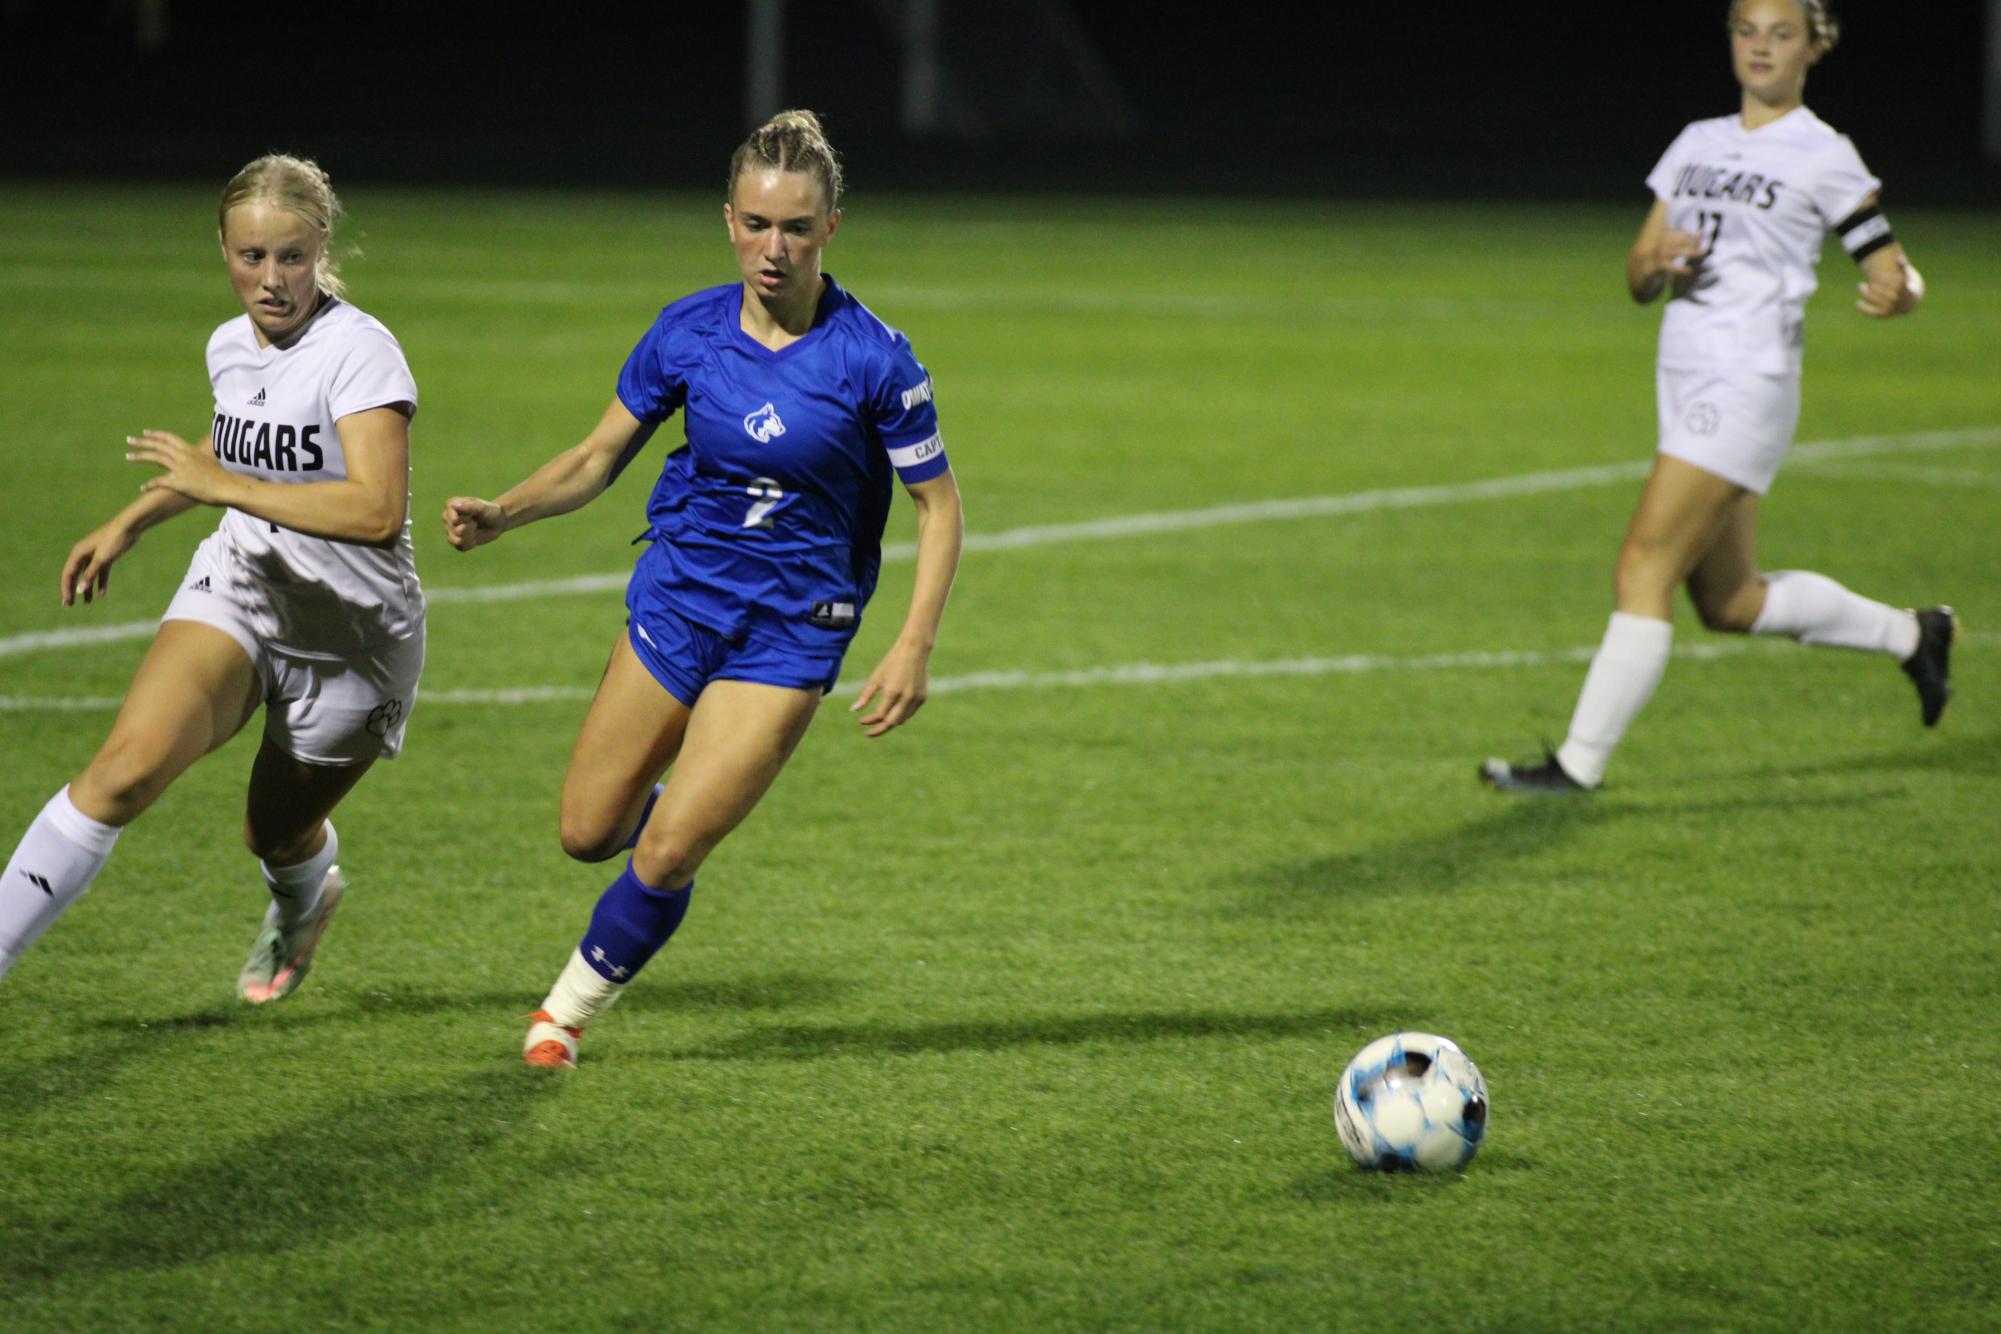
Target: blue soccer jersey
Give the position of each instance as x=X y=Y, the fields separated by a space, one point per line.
x=768 y=521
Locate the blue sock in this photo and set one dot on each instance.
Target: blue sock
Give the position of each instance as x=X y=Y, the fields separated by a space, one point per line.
x=644 y=816
x=630 y=924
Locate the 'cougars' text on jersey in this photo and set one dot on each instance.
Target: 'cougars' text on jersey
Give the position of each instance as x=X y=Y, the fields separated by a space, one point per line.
x=268 y=447
x=1700 y=181
x=1762 y=200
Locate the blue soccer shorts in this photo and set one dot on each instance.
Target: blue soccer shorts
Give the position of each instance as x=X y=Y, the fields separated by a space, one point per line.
x=685 y=656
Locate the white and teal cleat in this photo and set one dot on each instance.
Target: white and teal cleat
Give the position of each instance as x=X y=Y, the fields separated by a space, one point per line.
x=282 y=956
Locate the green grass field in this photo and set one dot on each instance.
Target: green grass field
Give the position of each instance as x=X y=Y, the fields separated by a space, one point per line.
x=1030 y=1015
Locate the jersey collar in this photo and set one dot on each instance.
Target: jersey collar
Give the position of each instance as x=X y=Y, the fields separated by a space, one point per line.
x=831 y=299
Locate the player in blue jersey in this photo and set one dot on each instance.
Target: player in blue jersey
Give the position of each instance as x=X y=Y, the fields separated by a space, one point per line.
x=765 y=531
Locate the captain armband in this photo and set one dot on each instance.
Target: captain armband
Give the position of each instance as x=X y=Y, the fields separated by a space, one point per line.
x=917 y=456
x=1864 y=232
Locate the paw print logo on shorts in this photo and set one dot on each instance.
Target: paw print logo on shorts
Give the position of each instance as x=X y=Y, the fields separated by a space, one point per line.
x=385 y=716
x=1703 y=419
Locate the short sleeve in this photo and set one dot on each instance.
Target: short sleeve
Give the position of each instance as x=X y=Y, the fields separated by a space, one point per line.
x=651 y=386
x=210 y=354
x=906 y=417
x=1661 y=179
x=373 y=374
x=1840 y=182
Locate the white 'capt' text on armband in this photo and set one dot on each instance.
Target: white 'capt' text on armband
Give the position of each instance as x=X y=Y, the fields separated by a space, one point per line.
x=909 y=456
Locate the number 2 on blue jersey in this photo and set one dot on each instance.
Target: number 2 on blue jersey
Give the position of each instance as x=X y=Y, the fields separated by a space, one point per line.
x=766 y=494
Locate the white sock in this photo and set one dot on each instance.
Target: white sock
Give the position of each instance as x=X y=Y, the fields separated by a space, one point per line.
x=295 y=890
x=581 y=993
x=1813 y=609
x=57 y=859
x=1624 y=672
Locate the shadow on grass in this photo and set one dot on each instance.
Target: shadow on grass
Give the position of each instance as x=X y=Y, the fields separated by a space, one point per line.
x=1958 y=753
x=72 y=1073
x=76 y=1073
x=1344 y=1183
x=160 y=1028
x=802 y=1042
x=365 y=1164
x=756 y=991
x=1523 y=828
x=81 y=1073
x=1520 y=828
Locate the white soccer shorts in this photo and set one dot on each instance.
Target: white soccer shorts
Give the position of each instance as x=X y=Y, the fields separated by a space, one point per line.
x=1738 y=426
x=319 y=710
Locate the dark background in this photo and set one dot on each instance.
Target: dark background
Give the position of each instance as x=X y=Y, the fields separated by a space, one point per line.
x=1480 y=100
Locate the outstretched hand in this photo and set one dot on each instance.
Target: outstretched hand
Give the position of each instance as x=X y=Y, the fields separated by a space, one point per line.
x=471 y=522
x=87 y=571
x=188 y=470
x=897 y=687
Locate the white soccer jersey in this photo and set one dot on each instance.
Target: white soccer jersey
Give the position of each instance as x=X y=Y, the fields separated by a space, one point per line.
x=1762 y=200
x=276 y=411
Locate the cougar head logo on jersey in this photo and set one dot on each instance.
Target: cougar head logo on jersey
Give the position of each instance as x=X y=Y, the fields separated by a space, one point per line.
x=764 y=424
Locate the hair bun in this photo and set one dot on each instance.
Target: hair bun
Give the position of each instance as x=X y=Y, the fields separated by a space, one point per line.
x=792 y=140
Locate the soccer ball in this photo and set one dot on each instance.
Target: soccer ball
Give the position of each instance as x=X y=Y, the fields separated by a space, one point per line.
x=1411 y=1102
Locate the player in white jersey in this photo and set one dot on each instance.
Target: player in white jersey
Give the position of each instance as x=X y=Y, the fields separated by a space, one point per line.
x=304 y=600
x=1742 y=204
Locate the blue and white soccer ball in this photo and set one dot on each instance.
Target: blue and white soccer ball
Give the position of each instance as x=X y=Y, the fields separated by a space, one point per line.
x=1411 y=1102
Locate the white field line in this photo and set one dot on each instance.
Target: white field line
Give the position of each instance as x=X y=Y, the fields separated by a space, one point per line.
x=1125 y=674
x=534 y=588
x=1299 y=507
x=76 y=637
x=1145 y=525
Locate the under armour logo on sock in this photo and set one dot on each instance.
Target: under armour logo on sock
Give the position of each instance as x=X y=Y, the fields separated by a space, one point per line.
x=41 y=883
x=597 y=953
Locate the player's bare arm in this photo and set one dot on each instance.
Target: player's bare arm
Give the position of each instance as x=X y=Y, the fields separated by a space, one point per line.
x=368 y=507
x=569 y=481
x=898 y=686
x=1661 y=254
x=87 y=569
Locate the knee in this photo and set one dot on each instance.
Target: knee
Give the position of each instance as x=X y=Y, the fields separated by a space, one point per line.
x=1731 y=615
x=1731 y=609
x=587 y=839
x=123 y=779
x=666 y=858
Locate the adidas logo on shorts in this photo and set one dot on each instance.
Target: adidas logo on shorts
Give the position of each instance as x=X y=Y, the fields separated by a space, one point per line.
x=199 y=586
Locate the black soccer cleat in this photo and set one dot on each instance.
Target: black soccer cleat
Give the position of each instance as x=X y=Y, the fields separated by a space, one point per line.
x=1928 y=668
x=1546 y=779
